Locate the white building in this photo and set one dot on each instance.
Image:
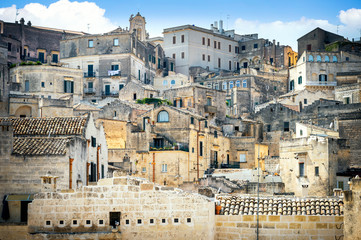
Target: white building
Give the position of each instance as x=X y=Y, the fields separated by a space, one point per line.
x=213 y=49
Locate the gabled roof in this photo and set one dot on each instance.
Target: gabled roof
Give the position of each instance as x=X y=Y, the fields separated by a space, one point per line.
x=40 y=145
x=47 y=126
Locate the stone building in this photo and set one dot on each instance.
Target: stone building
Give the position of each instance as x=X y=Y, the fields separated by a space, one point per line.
x=348 y=89
x=316 y=40
x=135 y=90
x=199 y=99
x=110 y=60
x=4 y=81
x=31 y=43
x=170 y=81
x=352 y=204
x=42 y=90
x=47 y=154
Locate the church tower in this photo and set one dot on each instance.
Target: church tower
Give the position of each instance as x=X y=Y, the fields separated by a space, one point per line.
x=137 y=23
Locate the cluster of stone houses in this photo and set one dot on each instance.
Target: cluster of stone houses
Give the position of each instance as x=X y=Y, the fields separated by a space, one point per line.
x=186 y=110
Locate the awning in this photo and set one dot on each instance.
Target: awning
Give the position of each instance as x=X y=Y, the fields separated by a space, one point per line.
x=20 y=197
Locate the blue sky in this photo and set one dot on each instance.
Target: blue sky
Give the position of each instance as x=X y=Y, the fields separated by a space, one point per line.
x=284 y=21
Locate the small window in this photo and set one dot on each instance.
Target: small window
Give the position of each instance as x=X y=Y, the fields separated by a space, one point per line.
x=238 y=83
x=201 y=149
x=144 y=169
x=55 y=58
x=203 y=41
x=219 y=63
x=164 y=220
x=347 y=59
x=68 y=86
x=172 y=82
x=182 y=38
x=215 y=134
x=244 y=83
x=127 y=222
x=165 y=82
x=340 y=184
x=139 y=221
x=94 y=141
x=192 y=120
x=300 y=80
x=334 y=59
x=134 y=96
x=189 y=220
x=230 y=84
x=209 y=58
x=309 y=47
x=209 y=42
x=43 y=84
x=206 y=124
x=164 y=168
x=301 y=169
x=61 y=222
x=176 y=220
x=9 y=47
x=292 y=85
x=101 y=222
x=121 y=86
x=219 y=45
x=286 y=126
x=88 y=222
x=236 y=128
x=215 y=44
x=305 y=101
x=327 y=58
x=48 y=223
x=275 y=88
x=242 y=158
x=90 y=43
x=182 y=55
x=310 y=58
x=318 y=58
x=192 y=149
x=243 y=47
x=229 y=48
x=268 y=127
x=174 y=39
x=173 y=55
x=75 y=222
x=116 y=42
x=301 y=132
x=317 y=171
x=255 y=45
x=151 y=221
x=203 y=57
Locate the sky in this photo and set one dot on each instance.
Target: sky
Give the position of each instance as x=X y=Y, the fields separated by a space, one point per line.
x=285 y=21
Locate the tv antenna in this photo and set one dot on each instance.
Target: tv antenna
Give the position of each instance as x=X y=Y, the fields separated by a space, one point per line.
x=88 y=26
x=16 y=14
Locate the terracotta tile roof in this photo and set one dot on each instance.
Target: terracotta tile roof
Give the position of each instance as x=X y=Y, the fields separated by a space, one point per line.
x=232 y=205
x=47 y=126
x=40 y=146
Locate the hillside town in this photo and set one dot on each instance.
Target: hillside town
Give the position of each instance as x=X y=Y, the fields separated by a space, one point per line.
x=202 y=133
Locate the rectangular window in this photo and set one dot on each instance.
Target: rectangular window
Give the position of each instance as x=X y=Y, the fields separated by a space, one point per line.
x=115 y=42
x=102 y=170
x=340 y=185
x=200 y=148
x=174 y=39
x=205 y=124
x=114 y=219
x=243 y=47
x=242 y=158
x=219 y=63
x=9 y=47
x=94 y=141
x=302 y=169
x=55 y=58
x=305 y=101
x=209 y=58
x=173 y=56
x=317 y=171
x=182 y=55
x=322 y=78
x=68 y=86
x=268 y=127
x=255 y=45
x=203 y=41
x=192 y=120
x=215 y=134
x=215 y=44
x=209 y=42
x=90 y=43
x=230 y=65
x=164 y=168
x=309 y=47
x=41 y=57
x=115 y=67
x=42 y=84
x=27 y=85
x=144 y=169
x=219 y=45
x=300 y=80
x=286 y=126
x=182 y=38
x=236 y=49
x=301 y=132
x=203 y=57
x=230 y=48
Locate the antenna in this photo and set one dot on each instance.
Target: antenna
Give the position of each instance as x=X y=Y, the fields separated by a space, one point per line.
x=88 y=26
x=16 y=14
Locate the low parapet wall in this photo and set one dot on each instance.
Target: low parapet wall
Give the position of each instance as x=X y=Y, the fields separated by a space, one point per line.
x=279 y=227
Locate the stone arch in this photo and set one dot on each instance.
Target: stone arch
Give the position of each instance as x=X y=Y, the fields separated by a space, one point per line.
x=256 y=60
x=23 y=111
x=244 y=62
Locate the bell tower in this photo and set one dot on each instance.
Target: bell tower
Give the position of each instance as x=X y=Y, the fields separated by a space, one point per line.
x=137 y=24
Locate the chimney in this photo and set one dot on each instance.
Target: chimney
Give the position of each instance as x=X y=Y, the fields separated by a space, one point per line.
x=215 y=25
x=220 y=26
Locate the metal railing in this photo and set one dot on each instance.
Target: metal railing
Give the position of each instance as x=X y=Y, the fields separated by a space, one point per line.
x=110 y=94
x=89 y=90
x=89 y=74
x=321 y=83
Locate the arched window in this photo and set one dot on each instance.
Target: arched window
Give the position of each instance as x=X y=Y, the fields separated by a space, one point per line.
x=238 y=83
x=244 y=83
x=300 y=80
x=224 y=85
x=318 y=58
x=327 y=58
x=172 y=82
x=163 y=116
x=292 y=85
x=334 y=59
x=310 y=58
x=230 y=84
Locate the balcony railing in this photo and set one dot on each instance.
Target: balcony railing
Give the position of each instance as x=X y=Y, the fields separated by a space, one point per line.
x=110 y=94
x=321 y=83
x=114 y=73
x=89 y=74
x=210 y=109
x=89 y=90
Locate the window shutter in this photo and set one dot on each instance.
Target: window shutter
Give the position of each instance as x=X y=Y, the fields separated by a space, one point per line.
x=181 y=103
x=64 y=86
x=175 y=103
x=72 y=87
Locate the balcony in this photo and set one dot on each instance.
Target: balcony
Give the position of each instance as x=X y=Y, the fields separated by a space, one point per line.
x=89 y=74
x=89 y=91
x=114 y=73
x=321 y=83
x=14 y=86
x=210 y=109
x=110 y=94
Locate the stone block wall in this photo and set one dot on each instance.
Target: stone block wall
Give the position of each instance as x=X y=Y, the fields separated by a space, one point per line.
x=279 y=227
x=146 y=212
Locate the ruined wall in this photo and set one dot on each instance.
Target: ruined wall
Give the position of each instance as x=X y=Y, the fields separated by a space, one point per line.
x=146 y=212
x=279 y=227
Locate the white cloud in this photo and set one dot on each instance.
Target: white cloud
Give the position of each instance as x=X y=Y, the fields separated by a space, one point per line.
x=62 y=14
x=287 y=33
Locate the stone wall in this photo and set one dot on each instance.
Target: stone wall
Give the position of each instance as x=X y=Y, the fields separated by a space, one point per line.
x=352 y=205
x=279 y=227
x=14 y=231
x=146 y=212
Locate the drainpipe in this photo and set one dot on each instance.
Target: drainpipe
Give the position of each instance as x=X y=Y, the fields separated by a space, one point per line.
x=71 y=172
x=98 y=177
x=153 y=163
